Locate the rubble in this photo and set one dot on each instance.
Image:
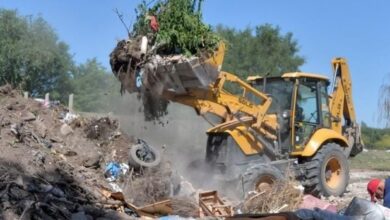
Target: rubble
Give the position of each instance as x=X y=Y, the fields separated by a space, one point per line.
x=53 y=169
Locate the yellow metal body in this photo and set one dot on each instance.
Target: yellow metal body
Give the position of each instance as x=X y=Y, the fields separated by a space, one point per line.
x=320 y=137
x=245 y=120
x=341 y=103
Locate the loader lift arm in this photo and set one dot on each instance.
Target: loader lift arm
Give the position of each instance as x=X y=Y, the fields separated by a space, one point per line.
x=232 y=109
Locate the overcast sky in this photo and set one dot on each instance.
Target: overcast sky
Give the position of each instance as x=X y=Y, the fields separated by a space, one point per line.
x=357 y=30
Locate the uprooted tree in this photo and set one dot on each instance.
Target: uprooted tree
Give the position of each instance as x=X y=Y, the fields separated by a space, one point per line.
x=167 y=27
x=176 y=26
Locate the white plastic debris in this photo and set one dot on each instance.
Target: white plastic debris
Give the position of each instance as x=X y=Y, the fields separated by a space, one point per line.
x=69 y=117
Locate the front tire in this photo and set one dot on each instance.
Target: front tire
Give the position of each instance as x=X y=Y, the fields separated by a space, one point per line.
x=327 y=173
x=260 y=178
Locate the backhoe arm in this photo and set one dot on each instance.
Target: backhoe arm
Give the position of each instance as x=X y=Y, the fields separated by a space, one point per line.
x=342 y=107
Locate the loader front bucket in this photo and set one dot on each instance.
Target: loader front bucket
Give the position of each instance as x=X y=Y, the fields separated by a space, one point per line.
x=178 y=73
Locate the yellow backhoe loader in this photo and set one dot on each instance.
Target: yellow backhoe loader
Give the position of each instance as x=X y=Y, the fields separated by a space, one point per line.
x=264 y=125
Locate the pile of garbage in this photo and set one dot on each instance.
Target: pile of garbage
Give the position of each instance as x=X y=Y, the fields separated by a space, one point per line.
x=55 y=164
x=169 y=44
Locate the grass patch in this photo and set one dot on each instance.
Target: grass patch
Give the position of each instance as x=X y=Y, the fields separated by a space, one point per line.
x=373 y=160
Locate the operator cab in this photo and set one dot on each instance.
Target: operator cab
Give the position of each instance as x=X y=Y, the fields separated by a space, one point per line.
x=300 y=102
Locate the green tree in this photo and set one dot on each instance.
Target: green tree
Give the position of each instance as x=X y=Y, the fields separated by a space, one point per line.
x=375 y=138
x=95 y=89
x=262 y=50
x=32 y=57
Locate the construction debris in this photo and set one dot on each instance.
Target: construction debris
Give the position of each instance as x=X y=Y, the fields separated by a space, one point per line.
x=281 y=197
x=211 y=205
x=54 y=169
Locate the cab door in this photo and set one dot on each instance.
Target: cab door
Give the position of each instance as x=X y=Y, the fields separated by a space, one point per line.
x=307 y=111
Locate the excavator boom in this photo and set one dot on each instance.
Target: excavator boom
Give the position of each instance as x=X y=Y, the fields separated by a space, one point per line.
x=342 y=107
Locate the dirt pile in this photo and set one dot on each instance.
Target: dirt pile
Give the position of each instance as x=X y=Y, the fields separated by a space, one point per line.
x=52 y=163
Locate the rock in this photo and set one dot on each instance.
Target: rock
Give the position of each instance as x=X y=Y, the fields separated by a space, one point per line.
x=66 y=130
x=56 y=139
x=15 y=129
x=39 y=157
x=6 y=89
x=187 y=189
x=92 y=162
x=41 y=128
x=27 y=116
x=70 y=153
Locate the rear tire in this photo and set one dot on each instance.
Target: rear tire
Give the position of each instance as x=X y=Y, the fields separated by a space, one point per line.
x=327 y=173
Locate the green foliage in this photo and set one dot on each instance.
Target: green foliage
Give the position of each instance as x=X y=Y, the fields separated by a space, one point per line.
x=31 y=56
x=371 y=160
x=375 y=138
x=181 y=27
x=95 y=89
x=259 y=51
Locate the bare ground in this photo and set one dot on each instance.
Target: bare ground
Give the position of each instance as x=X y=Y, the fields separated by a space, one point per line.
x=357 y=186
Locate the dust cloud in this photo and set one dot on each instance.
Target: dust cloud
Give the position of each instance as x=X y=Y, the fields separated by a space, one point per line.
x=180 y=135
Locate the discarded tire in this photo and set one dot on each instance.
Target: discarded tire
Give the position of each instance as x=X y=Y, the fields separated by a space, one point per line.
x=143 y=155
x=327 y=172
x=260 y=177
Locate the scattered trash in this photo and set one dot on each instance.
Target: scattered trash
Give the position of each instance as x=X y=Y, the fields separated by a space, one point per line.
x=143 y=155
x=212 y=205
x=114 y=170
x=115 y=187
x=280 y=197
x=115 y=135
x=69 y=117
x=311 y=202
x=101 y=128
x=366 y=209
x=15 y=129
